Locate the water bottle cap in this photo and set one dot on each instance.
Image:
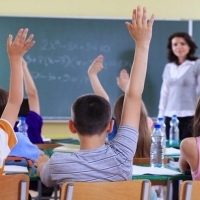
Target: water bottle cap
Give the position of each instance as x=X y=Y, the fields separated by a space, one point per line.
x=160 y=118
x=174 y=116
x=157 y=126
x=22 y=118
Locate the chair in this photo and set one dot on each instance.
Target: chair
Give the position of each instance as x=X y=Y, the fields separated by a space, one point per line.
x=190 y=190
x=129 y=190
x=14 y=187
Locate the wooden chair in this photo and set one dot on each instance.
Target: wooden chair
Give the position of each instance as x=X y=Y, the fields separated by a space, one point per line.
x=14 y=187
x=129 y=190
x=190 y=190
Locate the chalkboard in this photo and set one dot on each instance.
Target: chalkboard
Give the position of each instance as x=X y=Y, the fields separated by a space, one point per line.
x=196 y=35
x=64 y=49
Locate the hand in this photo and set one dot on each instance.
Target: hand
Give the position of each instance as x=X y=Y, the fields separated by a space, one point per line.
x=96 y=66
x=140 y=29
x=122 y=80
x=20 y=45
x=41 y=160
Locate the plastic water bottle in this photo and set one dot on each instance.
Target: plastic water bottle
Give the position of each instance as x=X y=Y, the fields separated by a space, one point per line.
x=157 y=150
x=22 y=126
x=174 y=130
x=160 y=121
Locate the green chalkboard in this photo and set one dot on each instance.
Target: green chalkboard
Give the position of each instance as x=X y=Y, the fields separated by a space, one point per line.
x=196 y=34
x=64 y=49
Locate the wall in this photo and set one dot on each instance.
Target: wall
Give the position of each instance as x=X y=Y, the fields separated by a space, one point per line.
x=168 y=9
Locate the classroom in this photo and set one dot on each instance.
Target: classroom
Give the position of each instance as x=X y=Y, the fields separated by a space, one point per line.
x=97 y=9
x=171 y=16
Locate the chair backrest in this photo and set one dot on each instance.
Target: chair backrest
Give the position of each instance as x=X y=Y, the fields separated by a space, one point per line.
x=190 y=190
x=146 y=161
x=14 y=187
x=129 y=190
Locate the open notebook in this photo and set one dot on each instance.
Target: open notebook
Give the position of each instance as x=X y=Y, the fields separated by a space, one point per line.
x=69 y=148
x=172 y=151
x=15 y=169
x=141 y=170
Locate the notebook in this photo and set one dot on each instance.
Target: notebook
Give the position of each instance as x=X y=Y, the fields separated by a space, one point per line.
x=141 y=170
x=15 y=169
x=69 y=148
x=172 y=151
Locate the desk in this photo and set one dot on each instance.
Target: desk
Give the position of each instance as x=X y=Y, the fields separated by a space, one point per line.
x=175 y=144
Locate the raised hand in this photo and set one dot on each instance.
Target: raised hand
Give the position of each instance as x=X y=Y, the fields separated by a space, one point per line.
x=122 y=80
x=141 y=29
x=20 y=45
x=96 y=66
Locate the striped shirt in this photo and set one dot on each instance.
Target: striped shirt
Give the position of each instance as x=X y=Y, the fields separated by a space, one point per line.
x=110 y=162
x=7 y=141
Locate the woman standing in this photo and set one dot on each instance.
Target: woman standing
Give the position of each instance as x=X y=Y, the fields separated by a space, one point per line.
x=181 y=83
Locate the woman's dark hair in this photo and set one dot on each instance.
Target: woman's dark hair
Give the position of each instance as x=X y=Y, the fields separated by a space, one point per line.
x=188 y=39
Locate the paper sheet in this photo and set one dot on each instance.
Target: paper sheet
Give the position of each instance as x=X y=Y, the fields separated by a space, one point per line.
x=172 y=151
x=15 y=169
x=141 y=170
x=70 y=148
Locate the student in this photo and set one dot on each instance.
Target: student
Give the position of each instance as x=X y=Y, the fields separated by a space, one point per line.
x=30 y=108
x=144 y=140
x=122 y=82
x=10 y=103
x=91 y=120
x=190 y=149
x=181 y=83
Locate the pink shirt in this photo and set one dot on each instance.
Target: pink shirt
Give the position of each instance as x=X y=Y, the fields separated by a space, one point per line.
x=196 y=174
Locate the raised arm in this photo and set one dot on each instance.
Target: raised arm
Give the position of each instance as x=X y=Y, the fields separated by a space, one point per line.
x=141 y=31
x=93 y=70
x=16 y=50
x=31 y=89
x=122 y=80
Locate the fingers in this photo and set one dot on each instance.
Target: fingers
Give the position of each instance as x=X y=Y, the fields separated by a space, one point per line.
x=9 y=40
x=23 y=35
x=18 y=36
x=151 y=21
x=138 y=16
x=144 y=17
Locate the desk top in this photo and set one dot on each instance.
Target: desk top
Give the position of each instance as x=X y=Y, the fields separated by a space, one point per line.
x=151 y=177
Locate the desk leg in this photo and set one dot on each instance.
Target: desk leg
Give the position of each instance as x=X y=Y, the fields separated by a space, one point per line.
x=169 y=190
x=39 y=190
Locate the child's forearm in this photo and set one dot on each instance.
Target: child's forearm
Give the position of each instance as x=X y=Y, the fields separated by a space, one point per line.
x=97 y=87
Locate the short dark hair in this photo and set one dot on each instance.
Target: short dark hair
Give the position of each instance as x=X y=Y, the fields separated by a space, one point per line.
x=91 y=114
x=188 y=39
x=24 y=108
x=3 y=100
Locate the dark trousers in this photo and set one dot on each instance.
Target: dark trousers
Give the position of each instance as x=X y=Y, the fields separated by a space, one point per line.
x=185 y=126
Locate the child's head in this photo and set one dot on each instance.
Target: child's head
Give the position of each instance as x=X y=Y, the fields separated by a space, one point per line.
x=24 y=109
x=144 y=139
x=91 y=114
x=3 y=100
